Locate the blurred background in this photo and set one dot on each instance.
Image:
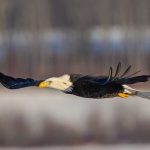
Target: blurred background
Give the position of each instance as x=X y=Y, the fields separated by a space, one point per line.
x=43 y=38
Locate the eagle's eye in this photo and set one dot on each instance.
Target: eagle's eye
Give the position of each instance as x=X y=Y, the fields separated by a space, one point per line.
x=49 y=82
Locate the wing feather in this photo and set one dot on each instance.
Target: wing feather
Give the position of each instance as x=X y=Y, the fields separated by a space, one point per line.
x=16 y=83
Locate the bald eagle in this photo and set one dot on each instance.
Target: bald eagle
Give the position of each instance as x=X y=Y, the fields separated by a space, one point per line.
x=86 y=86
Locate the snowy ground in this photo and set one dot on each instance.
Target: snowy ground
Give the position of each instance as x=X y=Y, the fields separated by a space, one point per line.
x=32 y=104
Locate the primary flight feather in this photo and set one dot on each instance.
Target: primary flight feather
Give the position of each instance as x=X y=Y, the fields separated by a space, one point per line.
x=85 y=85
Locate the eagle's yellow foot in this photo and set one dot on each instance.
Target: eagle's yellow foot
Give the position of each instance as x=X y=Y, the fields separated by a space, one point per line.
x=123 y=95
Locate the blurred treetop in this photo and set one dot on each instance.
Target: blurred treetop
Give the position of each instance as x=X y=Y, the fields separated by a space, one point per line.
x=39 y=14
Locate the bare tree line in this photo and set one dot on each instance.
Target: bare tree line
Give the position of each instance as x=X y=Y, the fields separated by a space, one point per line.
x=67 y=45
x=40 y=14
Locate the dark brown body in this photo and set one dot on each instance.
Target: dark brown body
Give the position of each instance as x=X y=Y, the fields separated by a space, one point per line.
x=93 y=87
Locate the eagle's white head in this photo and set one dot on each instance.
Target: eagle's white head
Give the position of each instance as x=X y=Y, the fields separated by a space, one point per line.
x=62 y=83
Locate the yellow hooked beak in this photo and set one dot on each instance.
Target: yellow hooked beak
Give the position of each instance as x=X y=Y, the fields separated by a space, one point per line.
x=44 y=84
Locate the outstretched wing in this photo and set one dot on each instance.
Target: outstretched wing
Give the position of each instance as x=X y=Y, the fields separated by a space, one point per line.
x=132 y=80
x=123 y=78
x=16 y=83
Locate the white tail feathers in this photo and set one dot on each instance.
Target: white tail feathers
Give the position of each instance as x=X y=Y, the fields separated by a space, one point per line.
x=134 y=92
